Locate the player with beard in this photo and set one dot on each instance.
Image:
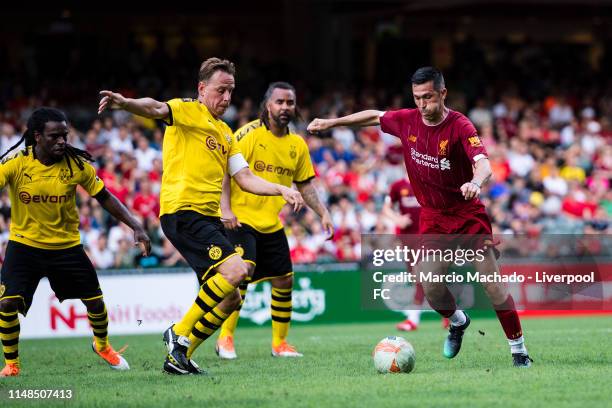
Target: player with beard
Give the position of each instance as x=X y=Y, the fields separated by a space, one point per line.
x=254 y=228
x=447 y=164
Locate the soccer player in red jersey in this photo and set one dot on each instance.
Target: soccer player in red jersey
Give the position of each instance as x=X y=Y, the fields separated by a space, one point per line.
x=447 y=164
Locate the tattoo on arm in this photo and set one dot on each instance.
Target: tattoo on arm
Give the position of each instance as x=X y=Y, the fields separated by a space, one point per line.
x=311 y=198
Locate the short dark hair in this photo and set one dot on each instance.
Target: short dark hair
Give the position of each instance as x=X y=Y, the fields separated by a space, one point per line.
x=212 y=65
x=426 y=74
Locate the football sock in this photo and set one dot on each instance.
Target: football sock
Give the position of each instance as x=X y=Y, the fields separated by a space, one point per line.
x=414 y=316
x=9 y=334
x=281 y=315
x=509 y=319
x=205 y=327
x=211 y=293
x=229 y=326
x=458 y=318
x=99 y=324
x=419 y=294
x=517 y=346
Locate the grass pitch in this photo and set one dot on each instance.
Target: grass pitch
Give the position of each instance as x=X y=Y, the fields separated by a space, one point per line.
x=573 y=361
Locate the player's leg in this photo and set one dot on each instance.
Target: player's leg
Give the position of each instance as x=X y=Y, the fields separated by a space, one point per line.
x=202 y=242
x=504 y=306
x=244 y=239
x=72 y=276
x=9 y=334
x=281 y=305
x=224 y=347
x=19 y=277
x=98 y=320
x=442 y=301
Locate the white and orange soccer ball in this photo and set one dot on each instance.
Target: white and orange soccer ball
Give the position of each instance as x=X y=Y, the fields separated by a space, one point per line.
x=394 y=355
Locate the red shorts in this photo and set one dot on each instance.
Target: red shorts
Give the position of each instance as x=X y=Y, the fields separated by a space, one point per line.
x=469 y=224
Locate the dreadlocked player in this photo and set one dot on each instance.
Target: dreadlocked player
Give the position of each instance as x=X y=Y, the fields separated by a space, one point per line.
x=44 y=234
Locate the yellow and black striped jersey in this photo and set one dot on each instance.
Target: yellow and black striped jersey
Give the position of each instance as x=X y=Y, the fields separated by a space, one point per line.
x=282 y=160
x=196 y=150
x=43 y=199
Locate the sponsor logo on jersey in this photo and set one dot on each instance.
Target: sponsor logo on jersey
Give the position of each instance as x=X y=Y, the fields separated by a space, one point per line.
x=270 y=168
x=426 y=160
x=445 y=164
x=211 y=143
x=412 y=138
x=28 y=198
x=475 y=141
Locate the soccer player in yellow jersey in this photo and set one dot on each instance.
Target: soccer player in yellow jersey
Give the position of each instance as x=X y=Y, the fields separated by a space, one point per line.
x=44 y=233
x=198 y=150
x=279 y=156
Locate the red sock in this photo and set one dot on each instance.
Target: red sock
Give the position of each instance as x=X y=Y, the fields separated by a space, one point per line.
x=509 y=319
x=419 y=294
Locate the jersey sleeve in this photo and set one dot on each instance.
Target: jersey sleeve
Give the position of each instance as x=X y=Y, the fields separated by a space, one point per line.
x=245 y=143
x=234 y=148
x=178 y=112
x=9 y=168
x=471 y=142
x=392 y=122
x=90 y=181
x=304 y=170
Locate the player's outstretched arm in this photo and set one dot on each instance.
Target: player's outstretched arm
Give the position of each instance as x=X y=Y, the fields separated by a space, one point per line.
x=363 y=118
x=112 y=204
x=147 y=107
x=312 y=199
x=256 y=185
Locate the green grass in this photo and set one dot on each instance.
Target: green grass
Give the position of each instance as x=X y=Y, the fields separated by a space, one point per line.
x=572 y=368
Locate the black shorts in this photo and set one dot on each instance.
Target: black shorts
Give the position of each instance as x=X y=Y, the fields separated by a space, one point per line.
x=201 y=240
x=268 y=252
x=70 y=273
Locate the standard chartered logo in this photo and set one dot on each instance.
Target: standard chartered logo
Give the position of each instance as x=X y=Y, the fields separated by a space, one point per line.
x=429 y=161
x=444 y=164
x=307 y=302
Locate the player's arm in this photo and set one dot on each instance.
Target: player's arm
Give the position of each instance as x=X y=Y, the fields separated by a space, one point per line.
x=147 y=107
x=482 y=174
x=398 y=219
x=364 y=118
x=228 y=218
x=112 y=204
x=239 y=170
x=312 y=199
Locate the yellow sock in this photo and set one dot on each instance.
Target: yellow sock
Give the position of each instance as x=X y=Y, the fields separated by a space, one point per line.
x=9 y=334
x=99 y=324
x=205 y=327
x=281 y=315
x=229 y=325
x=211 y=293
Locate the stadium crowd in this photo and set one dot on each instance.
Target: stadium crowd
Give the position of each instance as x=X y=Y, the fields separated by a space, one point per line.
x=552 y=163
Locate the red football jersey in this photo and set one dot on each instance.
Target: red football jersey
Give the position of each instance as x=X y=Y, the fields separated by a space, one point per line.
x=401 y=193
x=438 y=158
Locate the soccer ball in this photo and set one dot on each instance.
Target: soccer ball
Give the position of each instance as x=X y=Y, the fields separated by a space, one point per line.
x=394 y=355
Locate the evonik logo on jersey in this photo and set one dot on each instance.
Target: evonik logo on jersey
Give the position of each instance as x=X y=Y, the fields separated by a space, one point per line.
x=260 y=165
x=28 y=198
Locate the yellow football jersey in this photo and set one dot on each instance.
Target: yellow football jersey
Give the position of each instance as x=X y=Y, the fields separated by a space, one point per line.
x=43 y=207
x=282 y=160
x=195 y=153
